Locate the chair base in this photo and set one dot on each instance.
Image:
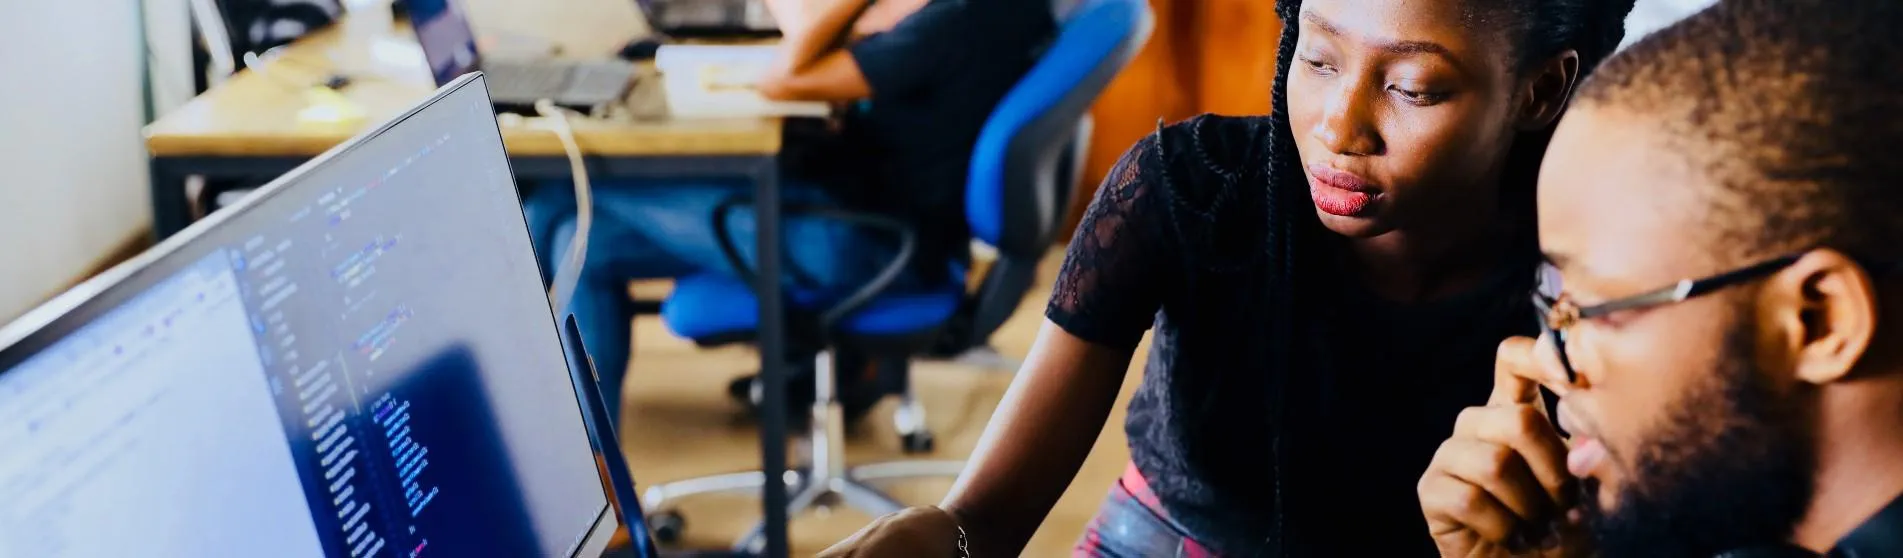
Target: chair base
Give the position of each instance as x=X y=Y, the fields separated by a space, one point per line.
x=854 y=489
x=824 y=482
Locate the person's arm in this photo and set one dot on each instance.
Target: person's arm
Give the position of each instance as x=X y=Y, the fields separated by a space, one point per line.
x=883 y=16
x=790 y=15
x=912 y=56
x=793 y=16
x=1106 y=296
x=1031 y=449
x=1036 y=441
x=813 y=65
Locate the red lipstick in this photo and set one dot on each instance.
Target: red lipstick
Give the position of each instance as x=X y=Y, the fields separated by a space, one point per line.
x=1340 y=192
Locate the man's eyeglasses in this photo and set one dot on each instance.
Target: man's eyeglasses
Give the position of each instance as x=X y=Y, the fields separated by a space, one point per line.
x=1558 y=314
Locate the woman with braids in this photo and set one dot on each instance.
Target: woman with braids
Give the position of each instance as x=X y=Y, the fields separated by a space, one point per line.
x=1327 y=284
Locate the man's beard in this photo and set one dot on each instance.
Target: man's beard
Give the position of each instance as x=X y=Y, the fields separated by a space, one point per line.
x=1731 y=467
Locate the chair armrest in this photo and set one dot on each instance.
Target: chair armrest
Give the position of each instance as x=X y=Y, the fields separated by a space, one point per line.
x=727 y=249
x=908 y=249
x=731 y=252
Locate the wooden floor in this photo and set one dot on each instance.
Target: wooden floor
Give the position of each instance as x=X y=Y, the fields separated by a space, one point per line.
x=678 y=423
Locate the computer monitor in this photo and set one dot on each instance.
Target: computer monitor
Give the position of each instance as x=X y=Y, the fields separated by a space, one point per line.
x=359 y=360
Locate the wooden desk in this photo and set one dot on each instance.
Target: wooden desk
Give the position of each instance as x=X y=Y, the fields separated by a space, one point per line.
x=259 y=125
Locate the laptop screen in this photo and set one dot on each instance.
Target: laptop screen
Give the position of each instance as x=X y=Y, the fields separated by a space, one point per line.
x=359 y=361
x=710 y=18
x=449 y=43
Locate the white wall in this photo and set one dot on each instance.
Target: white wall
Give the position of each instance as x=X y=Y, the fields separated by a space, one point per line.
x=72 y=166
x=168 y=33
x=1651 y=15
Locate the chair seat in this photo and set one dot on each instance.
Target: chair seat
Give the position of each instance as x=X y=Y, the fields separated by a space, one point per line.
x=713 y=306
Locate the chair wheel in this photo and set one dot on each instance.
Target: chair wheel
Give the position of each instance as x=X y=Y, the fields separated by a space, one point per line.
x=667 y=527
x=917 y=442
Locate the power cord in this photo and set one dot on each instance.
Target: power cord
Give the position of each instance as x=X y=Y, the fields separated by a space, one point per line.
x=568 y=268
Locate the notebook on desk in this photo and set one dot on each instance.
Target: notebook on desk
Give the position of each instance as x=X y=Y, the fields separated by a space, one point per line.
x=722 y=81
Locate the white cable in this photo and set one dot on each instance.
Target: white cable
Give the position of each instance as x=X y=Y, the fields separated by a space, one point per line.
x=211 y=27
x=568 y=268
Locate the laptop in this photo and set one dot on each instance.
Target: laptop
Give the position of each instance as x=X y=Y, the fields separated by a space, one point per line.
x=709 y=19
x=359 y=360
x=449 y=46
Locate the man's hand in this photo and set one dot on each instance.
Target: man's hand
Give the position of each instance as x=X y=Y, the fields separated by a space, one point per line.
x=1499 y=486
x=926 y=532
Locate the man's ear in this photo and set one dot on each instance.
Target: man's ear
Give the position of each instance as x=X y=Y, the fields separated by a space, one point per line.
x=1824 y=309
x=1543 y=95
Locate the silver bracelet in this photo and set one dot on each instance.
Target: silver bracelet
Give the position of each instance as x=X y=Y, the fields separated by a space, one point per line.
x=964 y=543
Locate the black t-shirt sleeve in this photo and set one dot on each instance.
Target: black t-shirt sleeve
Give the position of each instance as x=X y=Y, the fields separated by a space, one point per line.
x=908 y=57
x=1117 y=266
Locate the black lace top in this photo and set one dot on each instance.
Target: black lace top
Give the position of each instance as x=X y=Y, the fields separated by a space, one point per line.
x=1179 y=238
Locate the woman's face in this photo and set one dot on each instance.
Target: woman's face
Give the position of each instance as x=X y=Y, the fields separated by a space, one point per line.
x=1403 y=111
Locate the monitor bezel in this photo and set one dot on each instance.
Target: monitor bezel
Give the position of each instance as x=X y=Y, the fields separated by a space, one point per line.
x=47 y=324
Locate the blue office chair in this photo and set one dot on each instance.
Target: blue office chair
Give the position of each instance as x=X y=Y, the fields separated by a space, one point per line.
x=1016 y=197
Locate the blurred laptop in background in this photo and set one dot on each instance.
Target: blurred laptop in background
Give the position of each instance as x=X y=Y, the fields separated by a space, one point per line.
x=709 y=19
x=449 y=46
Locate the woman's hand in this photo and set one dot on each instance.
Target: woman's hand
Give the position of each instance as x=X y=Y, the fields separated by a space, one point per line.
x=1499 y=486
x=925 y=532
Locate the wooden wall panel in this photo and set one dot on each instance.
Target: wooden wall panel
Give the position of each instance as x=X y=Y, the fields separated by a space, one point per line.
x=1203 y=56
x=1238 y=65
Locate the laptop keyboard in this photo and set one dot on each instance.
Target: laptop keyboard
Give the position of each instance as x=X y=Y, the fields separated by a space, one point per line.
x=526 y=81
x=590 y=82
x=599 y=77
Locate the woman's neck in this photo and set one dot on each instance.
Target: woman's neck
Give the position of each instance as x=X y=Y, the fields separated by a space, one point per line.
x=1433 y=260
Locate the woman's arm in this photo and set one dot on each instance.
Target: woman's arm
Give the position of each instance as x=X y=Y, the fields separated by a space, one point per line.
x=1106 y=296
x=1036 y=441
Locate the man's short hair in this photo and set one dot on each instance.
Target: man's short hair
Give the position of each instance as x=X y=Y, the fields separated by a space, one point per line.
x=1793 y=107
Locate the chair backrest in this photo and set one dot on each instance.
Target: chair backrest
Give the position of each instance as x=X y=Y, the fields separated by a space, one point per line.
x=1017 y=196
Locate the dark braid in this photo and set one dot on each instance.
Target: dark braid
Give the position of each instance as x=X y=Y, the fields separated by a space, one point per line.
x=1290 y=210
x=1541 y=29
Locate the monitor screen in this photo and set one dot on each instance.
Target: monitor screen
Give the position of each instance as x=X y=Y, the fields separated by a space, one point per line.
x=444 y=33
x=360 y=361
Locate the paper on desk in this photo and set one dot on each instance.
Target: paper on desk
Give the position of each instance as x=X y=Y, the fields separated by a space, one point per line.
x=680 y=56
x=720 y=81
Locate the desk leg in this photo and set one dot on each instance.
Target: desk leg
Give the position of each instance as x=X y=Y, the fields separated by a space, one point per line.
x=171 y=211
x=766 y=203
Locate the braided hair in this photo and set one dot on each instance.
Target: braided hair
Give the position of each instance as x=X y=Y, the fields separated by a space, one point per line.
x=1539 y=30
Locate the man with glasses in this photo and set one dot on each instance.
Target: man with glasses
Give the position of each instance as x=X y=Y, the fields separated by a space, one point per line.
x=1722 y=212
